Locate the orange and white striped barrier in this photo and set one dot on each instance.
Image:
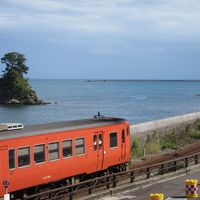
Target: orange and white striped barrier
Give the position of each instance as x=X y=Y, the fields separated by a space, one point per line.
x=157 y=196
x=191 y=189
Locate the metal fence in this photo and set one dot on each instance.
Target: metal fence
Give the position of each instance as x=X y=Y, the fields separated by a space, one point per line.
x=116 y=179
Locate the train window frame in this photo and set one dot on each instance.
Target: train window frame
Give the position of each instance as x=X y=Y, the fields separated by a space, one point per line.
x=44 y=153
x=58 y=151
x=123 y=137
x=112 y=132
x=84 y=145
x=128 y=130
x=100 y=140
x=66 y=157
x=95 y=142
x=14 y=159
x=19 y=148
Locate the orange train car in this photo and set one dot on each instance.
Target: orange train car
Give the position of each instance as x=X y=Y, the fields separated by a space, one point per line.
x=56 y=154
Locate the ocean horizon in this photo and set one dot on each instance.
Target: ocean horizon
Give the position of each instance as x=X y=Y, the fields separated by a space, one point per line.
x=116 y=80
x=136 y=100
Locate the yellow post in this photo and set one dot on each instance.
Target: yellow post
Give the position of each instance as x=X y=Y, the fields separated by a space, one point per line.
x=191 y=188
x=157 y=196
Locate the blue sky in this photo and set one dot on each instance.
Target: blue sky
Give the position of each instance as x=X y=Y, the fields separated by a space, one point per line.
x=104 y=39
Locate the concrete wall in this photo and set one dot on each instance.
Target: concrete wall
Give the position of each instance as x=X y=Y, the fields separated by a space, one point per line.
x=163 y=124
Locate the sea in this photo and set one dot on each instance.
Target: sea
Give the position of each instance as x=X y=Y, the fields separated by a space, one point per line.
x=137 y=101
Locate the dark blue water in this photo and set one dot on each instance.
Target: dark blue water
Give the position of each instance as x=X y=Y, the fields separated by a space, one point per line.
x=136 y=101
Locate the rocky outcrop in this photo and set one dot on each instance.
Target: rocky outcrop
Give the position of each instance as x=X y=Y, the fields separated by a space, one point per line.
x=28 y=99
x=24 y=102
x=14 y=88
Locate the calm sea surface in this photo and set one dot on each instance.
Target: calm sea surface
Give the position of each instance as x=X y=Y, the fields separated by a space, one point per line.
x=135 y=101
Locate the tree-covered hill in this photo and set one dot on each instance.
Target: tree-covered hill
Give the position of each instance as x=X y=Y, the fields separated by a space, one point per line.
x=14 y=88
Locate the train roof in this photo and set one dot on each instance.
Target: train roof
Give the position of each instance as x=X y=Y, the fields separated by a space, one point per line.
x=60 y=126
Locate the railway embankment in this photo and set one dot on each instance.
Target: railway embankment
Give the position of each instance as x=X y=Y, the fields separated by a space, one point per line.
x=163 y=134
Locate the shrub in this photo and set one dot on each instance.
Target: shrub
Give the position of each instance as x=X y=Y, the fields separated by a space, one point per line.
x=135 y=148
x=168 y=145
x=152 y=144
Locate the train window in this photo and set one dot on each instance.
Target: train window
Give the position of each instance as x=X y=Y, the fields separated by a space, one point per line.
x=80 y=146
x=53 y=151
x=113 y=139
x=123 y=137
x=23 y=156
x=100 y=141
x=39 y=153
x=95 y=142
x=67 y=148
x=127 y=130
x=11 y=153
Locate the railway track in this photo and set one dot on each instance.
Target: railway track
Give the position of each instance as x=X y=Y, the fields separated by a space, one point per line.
x=163 y=164
x=184 y=151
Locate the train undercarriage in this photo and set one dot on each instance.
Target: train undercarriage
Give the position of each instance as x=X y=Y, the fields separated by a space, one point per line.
x=22 y=194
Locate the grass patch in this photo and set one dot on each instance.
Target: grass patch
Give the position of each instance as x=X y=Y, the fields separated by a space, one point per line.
x=152 y=144
x=136 y=149
x=159 y=141
x=168 y=145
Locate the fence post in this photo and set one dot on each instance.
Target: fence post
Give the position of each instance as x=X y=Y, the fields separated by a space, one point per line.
x=186 y=162
x=107 y=183
x=114 y=180
x=162 y=169
x=196 y=159
x=175 y=165
x=132 y=176
x=70 y=194
x=90 y=189
x=148 y=172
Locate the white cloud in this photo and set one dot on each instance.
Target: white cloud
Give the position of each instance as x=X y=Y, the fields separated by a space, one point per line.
x=134 y=19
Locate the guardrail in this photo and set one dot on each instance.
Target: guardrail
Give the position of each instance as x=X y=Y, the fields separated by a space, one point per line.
x=111 y=181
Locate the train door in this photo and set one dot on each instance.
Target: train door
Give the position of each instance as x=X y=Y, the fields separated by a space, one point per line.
x=123 y=145
x=98 y=148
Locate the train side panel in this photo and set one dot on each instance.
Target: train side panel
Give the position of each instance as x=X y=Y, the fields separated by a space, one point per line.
x=47 y=171
x=112 y=147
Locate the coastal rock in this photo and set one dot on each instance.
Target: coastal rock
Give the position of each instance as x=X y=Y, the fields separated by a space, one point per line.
x=35 y=102
x=41 y=101
x=13 y=101
x=30 y=101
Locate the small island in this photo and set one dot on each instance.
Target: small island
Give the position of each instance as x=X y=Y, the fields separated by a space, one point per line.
x=14 y=87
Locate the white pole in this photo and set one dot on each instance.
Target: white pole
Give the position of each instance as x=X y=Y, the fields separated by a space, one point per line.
x=6 y=196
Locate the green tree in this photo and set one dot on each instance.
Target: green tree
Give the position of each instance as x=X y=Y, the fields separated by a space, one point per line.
x=13 y=86
x=15 y=61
